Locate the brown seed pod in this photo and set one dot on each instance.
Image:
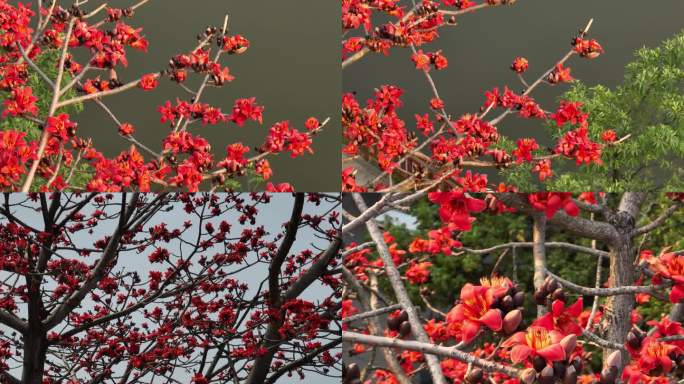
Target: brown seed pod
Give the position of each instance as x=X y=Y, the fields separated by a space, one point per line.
x=352 y=371
x=519 y=299
x=403 y=316
x=546 y=375
x=528 y=376
x=550 y=284
x=570 y=376
x=393 y=323
x=608 y=375
x=404 y=329
x=507 y=303
x=558 y=294
x=538 y=363
x=475 y=376
x=539 y=297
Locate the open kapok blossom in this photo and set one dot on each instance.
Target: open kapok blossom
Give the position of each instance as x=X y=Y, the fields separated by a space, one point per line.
x=418 y=273
x=186 y=159
x=455 y=207
x=552 y=202
x=475 y=311
x=520 y=65
x=668 y=265
x=536 y=341
x=562 y=318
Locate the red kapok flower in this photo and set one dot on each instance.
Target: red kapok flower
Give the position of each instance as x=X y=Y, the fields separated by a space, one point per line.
x=590 y=49
x=543 y=168
x=500 y=285
x=148 y=82
x=61 y=127
x=246 y=109
x=263 y=168
x=670 y=265
x=455 y=207
x=562 y=318
x=312 y=124
x=520 y=65
x=236 y=44
x=474 y=311
x=22 y=101
x=418 y=273
x=536 y=341
x=551 y=202
x=559 y=74
x=421 y=60
x=524 y=150
x=608 y=136
x=436 y=103
x=126 y=129
x=282 y=187
x=569 y=112
x=656 y=354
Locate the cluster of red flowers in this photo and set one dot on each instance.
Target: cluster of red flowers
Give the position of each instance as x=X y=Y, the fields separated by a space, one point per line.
x=200 y=62
x=209 y=303
x=379 y=135
x=545 y=350
x=416 y=26
x=186 y=159
x=423 y=61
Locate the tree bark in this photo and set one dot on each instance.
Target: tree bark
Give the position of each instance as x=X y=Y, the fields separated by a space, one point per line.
x=539 y=254
x=35 y=340
x=622 y=252
x=35 y=348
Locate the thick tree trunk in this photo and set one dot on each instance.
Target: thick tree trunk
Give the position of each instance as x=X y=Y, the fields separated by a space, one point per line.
x=539 y=255
x=35 y=340
x=619 y=308
x=622 y=253
x=35 y=348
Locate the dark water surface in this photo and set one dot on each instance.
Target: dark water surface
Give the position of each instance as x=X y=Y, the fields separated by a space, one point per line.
x=292 y=68
x=482 y=46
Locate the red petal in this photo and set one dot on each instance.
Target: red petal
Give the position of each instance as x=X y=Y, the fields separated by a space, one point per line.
x=676 y=294
x=557 y=307
x=552 y=352
x=455 y=314
x=475 y=205
x=520 y=353
x=492 y=319
x=571 y=208
x=517 y=338
x=546 y=321
x=576 y=309
x=467 y=292
x=666 y=362
x=469 y=330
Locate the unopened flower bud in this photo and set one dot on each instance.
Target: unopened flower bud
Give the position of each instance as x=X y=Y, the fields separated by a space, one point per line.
x=528 y=376
x=569 y=342
x=511 y=321
x=614 y=359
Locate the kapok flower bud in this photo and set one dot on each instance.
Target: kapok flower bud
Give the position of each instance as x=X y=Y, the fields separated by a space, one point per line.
x=547 y=376
x=614 y=360
x=528 y=376
x=570 y=376
x=475 y=376
x=569 y=342
x=511 y=321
